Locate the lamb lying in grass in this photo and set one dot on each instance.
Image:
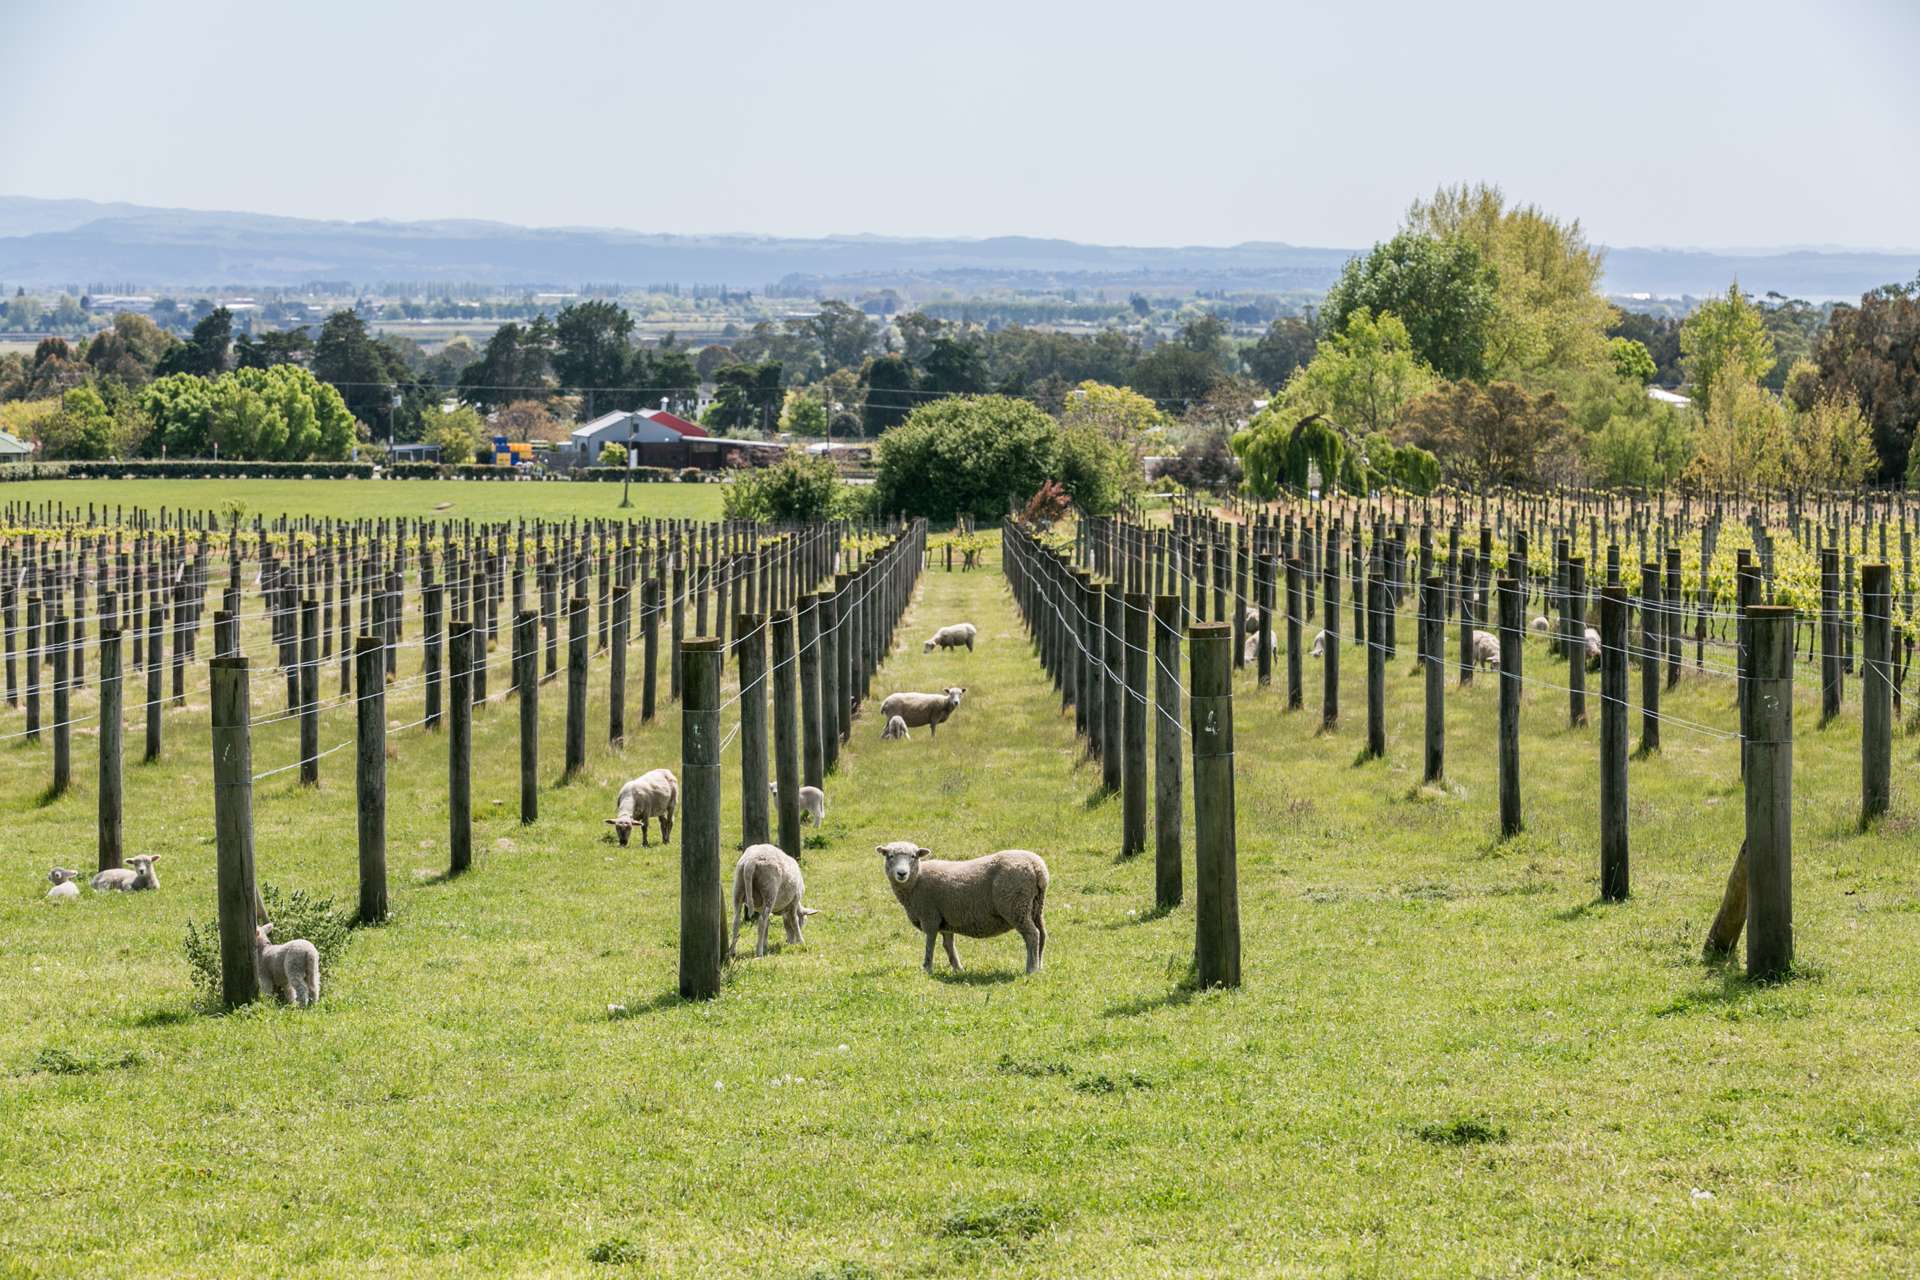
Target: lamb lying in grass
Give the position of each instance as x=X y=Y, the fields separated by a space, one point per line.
x=978 y=898
x=767 y=882
x=290 y=969
x=928 y=709
x=896 y=730
x=651 y=795
x=64 y=889
x=813 y=802
x=960 y=633
x=135 y=876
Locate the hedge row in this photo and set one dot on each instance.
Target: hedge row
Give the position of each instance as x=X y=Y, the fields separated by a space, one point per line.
x=190 y=469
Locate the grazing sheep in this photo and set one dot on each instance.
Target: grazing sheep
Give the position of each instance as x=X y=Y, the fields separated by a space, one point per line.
x=1593 y=648
x=1250 y=649
x=767 y=882
x=651 y=795
x=129 y=879
x=1540 y=625
x=292 y=969
x=978 y=898
x=896 y=730
x=1486 y=650
x=928 y=709
x=1320 y=641
x=64 y=889
x=813 y=802
x=960 y=633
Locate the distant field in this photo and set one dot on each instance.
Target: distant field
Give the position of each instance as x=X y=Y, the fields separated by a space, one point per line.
x=474 y=499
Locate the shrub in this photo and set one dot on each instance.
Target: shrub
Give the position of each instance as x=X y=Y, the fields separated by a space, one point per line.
x=613 y=454
x=692 y=475
x=971 y=455
x=413 y=470
x=1205 y=462
x=799 y=488
x=650 y=474
x=294 y=915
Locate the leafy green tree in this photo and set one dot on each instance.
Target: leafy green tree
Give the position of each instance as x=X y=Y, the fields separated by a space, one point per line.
x=917 y=333
x=208 y=353
x=83 y=428
x=1442 y=291
x=369 y=378
x=672 y=378
x=1484 y=435
x=613 y=454
x=1176 y=375
x=1725 y=334
x=1279 y=449
x=129 y=350
x=889 y=399
x=1631 y=359
x=517 y=365
x=973 y=455
x=1660 y=335
x=1362 y=377
x=804 y=416
x=1743 y=440
x=1124 y=414
x=275 y=346
x=843 y=334
x=1287 y=344
x=1098 y=469
x=747 y=396
x=1832 y=445
x=801 y=488
x=592 y=355
x=953 y=367
x=460 y=432
x=1871 y=353
x=181 y=407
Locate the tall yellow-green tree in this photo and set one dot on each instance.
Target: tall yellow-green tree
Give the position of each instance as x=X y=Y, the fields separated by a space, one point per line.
x=1548 y=309
x=1743 y=441
x=1832 y=445
x=1725 y=335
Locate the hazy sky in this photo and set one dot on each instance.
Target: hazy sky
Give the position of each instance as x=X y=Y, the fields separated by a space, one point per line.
x=1671 y=123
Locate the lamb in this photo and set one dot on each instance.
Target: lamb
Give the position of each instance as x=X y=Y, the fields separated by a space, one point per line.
x=978 y=898
x=813 y=802
x=1320 y=641
x=767 y=882
x=917 y=709
x=1486 y=650
x=64 y=889
x=651 y=795
x=1593 y=648
x=292 y=969
x=1540 y=625
x=896 y=730
x=1250 y=650
x=129 y=879
x=960 y=633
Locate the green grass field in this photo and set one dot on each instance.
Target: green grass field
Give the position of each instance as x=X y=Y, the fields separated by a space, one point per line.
x=1447 y=1058
x=349 y=499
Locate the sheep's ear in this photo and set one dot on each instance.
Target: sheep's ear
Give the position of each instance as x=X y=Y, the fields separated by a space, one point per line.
x=923 y=853
x=612 y=822
x=153 y=857
x=880 y=849
x=267 y=927
x=809 y=911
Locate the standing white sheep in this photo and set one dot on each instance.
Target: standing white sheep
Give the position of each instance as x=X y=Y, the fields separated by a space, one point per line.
x=1320 y=639
x=1250 y=650
x=917 y=709
x=960 y=633
x=137 y=875
x=64 y=889
x=1593 y=649
x=978 y=898
x=813 y=802
x=1486 y=650
x=291 y=969
x=1540 y=625
x=655 y=794
x=896 y=730
x=767 y=882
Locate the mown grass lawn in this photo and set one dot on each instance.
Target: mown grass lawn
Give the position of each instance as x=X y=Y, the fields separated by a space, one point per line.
x=353 y=499
x=1447 y=1059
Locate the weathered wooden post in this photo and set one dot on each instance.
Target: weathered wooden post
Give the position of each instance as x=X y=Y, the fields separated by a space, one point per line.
x=154 y=669
x=1330 y=651
x=526 y=643
x=310 y=692
x=1216 y=893
x=649 y=648
x=62 y=706
x=1433 y=648
x=1574 y=641
x=786 y=733
x=233 y=829
x=1166 y=753
x=1652 y=644
x=828 y=613
x=1112 y=739
x=370 y=774
x=1613 y=744
x=1511 y=608
x=750 y=651
x=434 y=610
x=110 y=827
x=1769 y=794
x=813 y=758
x=1378 y=620
x=1296 y=604
x=1133 y=782
x=1876 y=692
x=1831 y=677
x=577 y=638
x=702 y=904
x=622 y=610
x=460 y=748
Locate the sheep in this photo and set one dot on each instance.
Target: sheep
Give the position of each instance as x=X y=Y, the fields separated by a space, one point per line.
x=1321 y=639
x=292 y=969
x=1250 y=649
x=960 y=633
x=651 y=795
x=1540 y=625
x=1486 y=650
x=1593 y=649
x=767 y=882
x=813 y=802
x=64 y=889
x=978 y=898
x=896 y=730
x=139 y=875
x=917 y=709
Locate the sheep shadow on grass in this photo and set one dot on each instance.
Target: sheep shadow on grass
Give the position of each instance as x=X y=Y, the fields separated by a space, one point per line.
x=974 y=977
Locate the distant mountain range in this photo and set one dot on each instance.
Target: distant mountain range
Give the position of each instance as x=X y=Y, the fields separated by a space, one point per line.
x=80 y=242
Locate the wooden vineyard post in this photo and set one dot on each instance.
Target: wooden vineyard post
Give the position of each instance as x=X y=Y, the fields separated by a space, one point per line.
x=786 y=733
x=1216 y=870
x=526 y=643
x=460 y=748
x=233 y=829
x=1166 y=753
x=1876 y=692
x=370 y=774
x=1509 y=725
x=1613 y=744
x=1433 y=648
x=1769 y=794
x=702 y=904
x=750 y=652
x=1133 y=782
x=112 y=778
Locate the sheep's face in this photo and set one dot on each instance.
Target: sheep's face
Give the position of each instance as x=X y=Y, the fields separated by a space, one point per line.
x=953 y=696
x=927 y=647
x=60 y=875
x=263 y=936
x=902 y=860
x=622 y=828
x=143 y=867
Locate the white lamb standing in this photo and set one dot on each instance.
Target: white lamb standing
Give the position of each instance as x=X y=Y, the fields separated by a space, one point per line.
x=291 y=969
x=953 y=637
x=978 y=898
x=655 y=794
x=137 y=875
x=767 y=882
x=896 y=730
x=928 y=709
x=813 y=802
x=1486 y=650
x=64 y=889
